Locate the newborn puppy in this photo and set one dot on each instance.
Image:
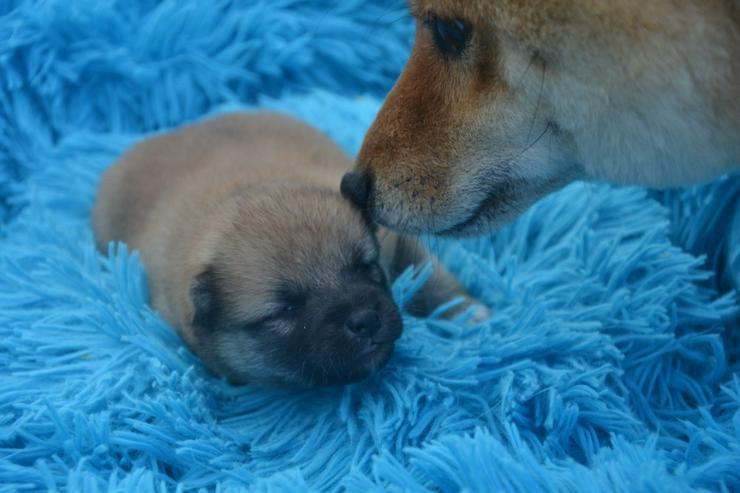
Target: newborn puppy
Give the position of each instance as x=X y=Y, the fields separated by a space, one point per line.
x=252 y=254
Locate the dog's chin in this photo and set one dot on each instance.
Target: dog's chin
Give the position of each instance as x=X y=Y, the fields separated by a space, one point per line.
x=406 y=216
x=407 y=225
x=478 y=224
x=494 y=210
x=370 y=362
x=490 y=215
x=467 y=215
x=364 y=364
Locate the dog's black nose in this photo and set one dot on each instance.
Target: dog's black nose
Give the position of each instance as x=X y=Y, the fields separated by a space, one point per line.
x=363 y=323
x=356 y=188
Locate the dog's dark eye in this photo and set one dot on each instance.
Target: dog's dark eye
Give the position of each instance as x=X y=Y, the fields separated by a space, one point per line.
x=450 y=35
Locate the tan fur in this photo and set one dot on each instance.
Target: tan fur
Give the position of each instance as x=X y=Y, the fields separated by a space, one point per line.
x=550 y=91
x=255 y=196
x=171 y=196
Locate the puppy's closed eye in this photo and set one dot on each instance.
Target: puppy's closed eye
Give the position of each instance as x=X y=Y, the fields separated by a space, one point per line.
x=206 y=300
x=290 y=303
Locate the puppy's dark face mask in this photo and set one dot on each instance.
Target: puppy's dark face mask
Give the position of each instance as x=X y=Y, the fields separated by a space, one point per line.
x=296 y=296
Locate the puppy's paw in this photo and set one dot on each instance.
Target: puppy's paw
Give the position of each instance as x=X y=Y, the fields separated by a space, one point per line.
x=471 y=310
x=481 y=313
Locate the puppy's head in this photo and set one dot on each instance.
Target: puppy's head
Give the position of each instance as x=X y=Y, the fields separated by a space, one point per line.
x=466 y=139
x=292 y=293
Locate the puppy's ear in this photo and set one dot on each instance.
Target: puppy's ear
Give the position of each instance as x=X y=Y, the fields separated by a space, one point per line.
x=206 y=300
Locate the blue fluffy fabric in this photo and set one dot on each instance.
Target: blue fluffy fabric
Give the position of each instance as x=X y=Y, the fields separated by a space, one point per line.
x=611 y=361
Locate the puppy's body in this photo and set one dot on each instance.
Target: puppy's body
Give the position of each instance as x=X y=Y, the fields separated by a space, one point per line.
x=253 y=255
x=504 y=101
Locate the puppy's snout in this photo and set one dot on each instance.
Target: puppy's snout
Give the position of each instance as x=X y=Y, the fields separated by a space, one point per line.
x=364 y=323
x=355 y=187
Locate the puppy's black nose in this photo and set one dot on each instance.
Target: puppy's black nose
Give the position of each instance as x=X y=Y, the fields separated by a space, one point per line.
x=356 y=188
x=363 y=323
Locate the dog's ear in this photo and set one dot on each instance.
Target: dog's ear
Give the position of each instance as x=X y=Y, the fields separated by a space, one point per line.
x=204 y=294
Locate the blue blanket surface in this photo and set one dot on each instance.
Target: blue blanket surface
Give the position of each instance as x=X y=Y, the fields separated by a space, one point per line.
x=611 y=362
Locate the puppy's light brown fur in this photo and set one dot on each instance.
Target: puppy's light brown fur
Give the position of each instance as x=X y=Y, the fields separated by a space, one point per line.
x=228 y=212
x=172 y=195
x=551 y=91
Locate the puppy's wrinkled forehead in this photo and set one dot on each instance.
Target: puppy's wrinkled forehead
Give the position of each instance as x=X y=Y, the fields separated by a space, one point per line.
x=290 y=240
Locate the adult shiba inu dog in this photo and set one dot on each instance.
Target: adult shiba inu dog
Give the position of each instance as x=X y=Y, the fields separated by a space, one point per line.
x=252 y=254
x=504 y=101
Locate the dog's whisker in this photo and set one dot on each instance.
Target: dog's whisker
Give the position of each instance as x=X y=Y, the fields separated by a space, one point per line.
x=524 y=74
x=538 y=103
x=547 y=127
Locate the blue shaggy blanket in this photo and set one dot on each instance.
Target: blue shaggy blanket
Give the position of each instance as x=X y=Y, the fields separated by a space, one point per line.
x=610 y=363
